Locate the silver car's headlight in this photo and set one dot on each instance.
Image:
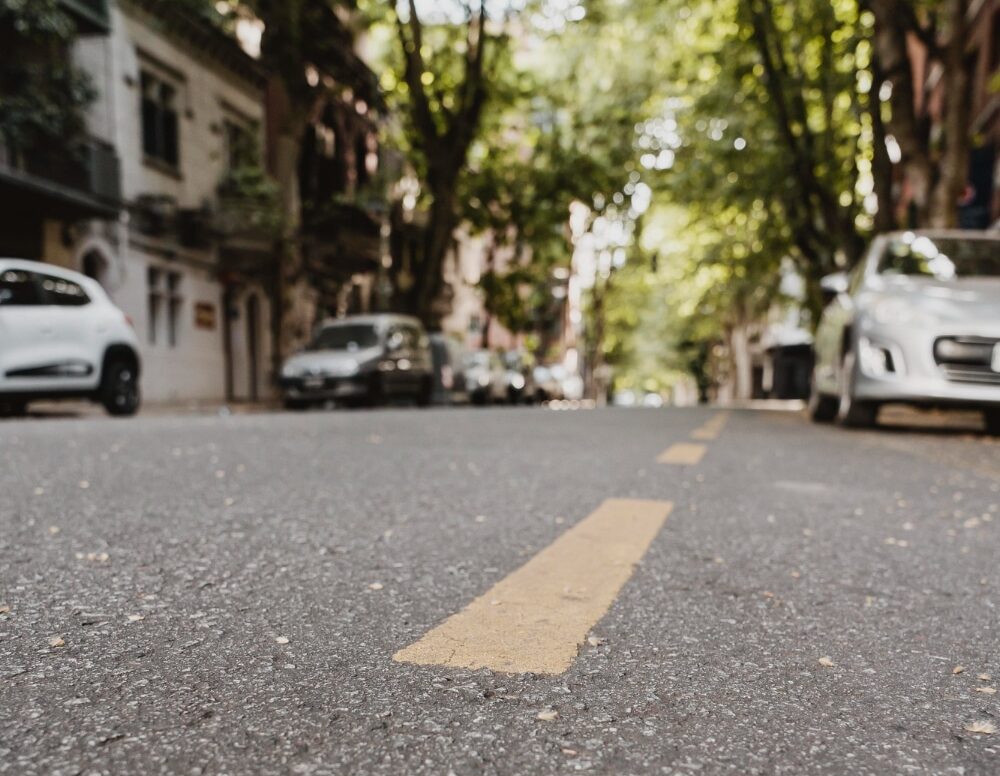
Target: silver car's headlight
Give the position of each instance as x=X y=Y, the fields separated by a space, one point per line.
x=349 y=368
x=290 y=370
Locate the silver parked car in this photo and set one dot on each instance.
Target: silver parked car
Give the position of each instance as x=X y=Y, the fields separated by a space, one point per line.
x=485 y=377
x=917 y=322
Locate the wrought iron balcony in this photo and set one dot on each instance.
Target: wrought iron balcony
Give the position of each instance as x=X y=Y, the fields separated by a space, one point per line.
x=91 y=16
x=77 y=182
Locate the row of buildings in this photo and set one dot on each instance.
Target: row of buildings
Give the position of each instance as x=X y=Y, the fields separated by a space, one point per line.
x=164 y=202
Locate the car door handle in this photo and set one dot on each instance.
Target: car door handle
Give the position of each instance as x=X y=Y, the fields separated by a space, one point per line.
x=47 y=330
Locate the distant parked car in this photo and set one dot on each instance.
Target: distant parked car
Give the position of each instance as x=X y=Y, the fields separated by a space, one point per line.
x=61 y=337
x=449 y=378
x=570 y=383
x=547 y=386
x=366 y=359
x=519 y=378
x=652 y=401
x=626 y=398
x=917 y=322
x=485 y=377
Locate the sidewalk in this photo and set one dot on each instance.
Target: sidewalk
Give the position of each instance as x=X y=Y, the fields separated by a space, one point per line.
x=85 y=409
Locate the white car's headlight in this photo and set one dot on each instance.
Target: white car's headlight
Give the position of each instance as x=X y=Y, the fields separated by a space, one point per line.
x=290 y=370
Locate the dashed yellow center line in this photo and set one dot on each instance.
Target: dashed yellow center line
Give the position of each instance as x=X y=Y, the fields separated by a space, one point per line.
x=712 y=428
x=535 y=619
x=683 y=454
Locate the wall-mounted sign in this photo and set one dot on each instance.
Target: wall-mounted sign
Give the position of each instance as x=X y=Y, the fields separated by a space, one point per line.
x=204 y=315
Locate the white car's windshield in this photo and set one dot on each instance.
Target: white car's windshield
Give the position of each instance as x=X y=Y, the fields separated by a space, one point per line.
x=345 y=337
x=941 y=258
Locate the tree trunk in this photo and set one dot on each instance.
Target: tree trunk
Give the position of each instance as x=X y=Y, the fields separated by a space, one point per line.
x=739 y=348
x=954 y=165
x=882 y=173
x=438 y=238
x=295 y=303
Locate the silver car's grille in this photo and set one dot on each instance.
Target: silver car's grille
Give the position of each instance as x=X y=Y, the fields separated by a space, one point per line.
x=967 y=359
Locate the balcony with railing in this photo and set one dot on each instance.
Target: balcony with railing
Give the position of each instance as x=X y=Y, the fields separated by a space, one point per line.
x=69 y=182
x=91 y=16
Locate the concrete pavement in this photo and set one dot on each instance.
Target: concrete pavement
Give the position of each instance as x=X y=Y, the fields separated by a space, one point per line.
x=226 y=595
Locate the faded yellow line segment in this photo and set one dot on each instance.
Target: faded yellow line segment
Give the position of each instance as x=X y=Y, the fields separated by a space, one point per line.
x=683 y=454
x=711 y=428
x=535 y=619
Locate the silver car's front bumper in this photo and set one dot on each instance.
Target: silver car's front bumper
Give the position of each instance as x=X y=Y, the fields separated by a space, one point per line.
x=921 y=370
x=325 y=388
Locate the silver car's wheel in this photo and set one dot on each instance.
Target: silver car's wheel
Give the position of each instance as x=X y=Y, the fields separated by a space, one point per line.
x=991 y=417
x=851 y=412
x=822 y=407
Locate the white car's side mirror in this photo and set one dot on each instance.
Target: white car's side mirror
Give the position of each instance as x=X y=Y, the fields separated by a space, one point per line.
x=834 y=285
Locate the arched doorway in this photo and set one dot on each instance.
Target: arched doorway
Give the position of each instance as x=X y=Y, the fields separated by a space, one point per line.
x=253 y=347
x=95 y=266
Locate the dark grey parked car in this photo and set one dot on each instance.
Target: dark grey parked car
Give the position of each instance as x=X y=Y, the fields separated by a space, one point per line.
x=363 y=359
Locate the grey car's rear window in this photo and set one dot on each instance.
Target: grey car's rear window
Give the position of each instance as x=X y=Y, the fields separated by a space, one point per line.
x=345 y=337
x=941 y=258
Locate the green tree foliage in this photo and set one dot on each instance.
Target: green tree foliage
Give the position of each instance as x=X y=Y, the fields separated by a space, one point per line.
x=43 y=96
x=443 y=86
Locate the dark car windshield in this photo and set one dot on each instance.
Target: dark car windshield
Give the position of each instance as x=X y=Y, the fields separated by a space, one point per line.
x=945 y=258
x=345 y=337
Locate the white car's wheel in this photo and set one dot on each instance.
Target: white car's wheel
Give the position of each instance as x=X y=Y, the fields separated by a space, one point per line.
x=120 y=389
x=12 y=409
x=851 y=412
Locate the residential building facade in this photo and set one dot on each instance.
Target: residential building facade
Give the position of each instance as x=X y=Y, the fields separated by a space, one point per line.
x=176 y=102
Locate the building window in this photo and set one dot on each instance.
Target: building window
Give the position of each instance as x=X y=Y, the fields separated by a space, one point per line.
x=241 y=146
x=173 y=307
x=159 y=120
x=155 y=298
x=165 y=304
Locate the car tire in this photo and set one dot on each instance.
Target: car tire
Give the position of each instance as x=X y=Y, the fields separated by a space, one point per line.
x=13 y=409
x=991 y=419
x=822 y=407
x=376 y=391
x=426 y=393
x=294 y=405
x=852 y=413
x=119 y=391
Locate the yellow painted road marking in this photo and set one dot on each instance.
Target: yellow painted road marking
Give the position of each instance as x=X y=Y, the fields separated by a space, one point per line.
x=683 y=454
x=535 y=619
x=712 y=428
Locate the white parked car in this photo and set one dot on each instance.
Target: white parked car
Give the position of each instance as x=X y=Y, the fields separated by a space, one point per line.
x=61 y=337
x=917 y=322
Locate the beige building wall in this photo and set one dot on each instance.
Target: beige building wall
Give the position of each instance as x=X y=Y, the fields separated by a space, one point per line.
x=183 y=332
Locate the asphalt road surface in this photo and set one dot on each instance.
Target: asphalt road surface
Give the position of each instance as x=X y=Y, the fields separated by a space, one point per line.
x=498 y=592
